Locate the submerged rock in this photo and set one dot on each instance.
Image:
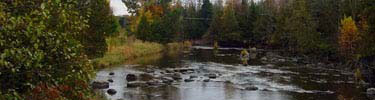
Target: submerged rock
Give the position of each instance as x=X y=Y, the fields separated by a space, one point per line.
x=136 y=84
x=206 y=80
x=251 y=88
x=167 y=80
x=212 y=76
x=155 y=83
x=100 y=85
x=110 y=80
x=371 y=91
x=111 y=91
x=131 y=77
x=176 y=76
x=146 y=77
x=193 y=76
x=188 y=80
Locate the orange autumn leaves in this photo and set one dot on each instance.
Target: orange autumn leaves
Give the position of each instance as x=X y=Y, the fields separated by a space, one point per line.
x=349 y=37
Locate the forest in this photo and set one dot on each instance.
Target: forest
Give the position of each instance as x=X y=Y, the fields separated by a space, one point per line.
x=325 y=28
x=49 y=48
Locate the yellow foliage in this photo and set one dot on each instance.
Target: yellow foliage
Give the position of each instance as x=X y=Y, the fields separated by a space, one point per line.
x=349 y=37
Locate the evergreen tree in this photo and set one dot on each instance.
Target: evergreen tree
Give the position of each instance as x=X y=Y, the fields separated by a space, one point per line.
x=302 y=28
x=205 y=14
x=230 y=30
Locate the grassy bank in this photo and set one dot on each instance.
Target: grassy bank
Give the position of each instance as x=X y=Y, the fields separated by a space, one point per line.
x=123 y=48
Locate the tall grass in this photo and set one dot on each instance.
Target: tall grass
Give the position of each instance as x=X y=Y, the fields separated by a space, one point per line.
x=122 y=48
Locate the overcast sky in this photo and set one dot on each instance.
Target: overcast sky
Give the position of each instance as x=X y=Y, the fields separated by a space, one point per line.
x=119 y=8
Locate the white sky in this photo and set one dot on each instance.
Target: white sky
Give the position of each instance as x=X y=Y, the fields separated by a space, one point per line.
x=118 y=8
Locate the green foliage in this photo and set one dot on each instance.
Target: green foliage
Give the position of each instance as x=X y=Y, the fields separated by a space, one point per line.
x=206 y=13
x=190 y=29
x=132 y=6
x=101 y=23
x=230 y=29
x=41 y=55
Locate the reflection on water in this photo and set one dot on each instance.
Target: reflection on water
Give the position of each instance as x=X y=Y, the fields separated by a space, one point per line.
x=274 y=82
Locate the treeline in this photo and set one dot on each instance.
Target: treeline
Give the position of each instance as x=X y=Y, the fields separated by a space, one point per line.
x=328 y=28
x=45 y=47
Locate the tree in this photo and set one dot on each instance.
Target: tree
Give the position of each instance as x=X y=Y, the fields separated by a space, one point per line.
x=132 y=6
x=41 y=55
x=230 y=30
x=102 y=23
x=349 y=37
x=143 y=30
x=191 y=26
x=302 y=28
x=206 y=14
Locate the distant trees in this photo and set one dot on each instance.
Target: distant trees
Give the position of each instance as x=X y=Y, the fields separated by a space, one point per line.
x=302 y=26
x=206 y=13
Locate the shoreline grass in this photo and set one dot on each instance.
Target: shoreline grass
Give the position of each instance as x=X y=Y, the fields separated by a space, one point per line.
x=124 y=48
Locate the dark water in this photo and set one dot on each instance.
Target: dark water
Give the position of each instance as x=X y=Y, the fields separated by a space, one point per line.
x=274 y=82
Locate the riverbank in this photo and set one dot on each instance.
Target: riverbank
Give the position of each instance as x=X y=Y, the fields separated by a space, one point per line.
x=123 y=48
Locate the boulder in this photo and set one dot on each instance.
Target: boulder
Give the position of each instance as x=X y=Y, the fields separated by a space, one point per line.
x=131 y=77
x=251 y=88
x=100 y=85
x=111 y=91
x=167 y=80
x=206 y=80
x=371 y=91
x=110 y=80
x=146 y=77
x=212 y=76
x=135 y=84
x=111 y=73
x=193 y=76
x=176 y=76
x=188 y=80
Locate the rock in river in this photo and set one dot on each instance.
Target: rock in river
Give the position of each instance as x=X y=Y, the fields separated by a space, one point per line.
x=212 y=76
x=136 y=84
x=112 y=73
x=110 y=80
x=188 y=80
x=251 y=88
x=111 y=91
x=100 y=85
x=167 y=80
x=131 y=77
x=176 y=76
x=193 y=76
x=371 y=91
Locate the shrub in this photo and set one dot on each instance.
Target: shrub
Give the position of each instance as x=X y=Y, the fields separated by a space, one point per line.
x=38 y=49
x=349 y=38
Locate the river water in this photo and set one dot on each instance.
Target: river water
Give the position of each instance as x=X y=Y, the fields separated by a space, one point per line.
x=273 y=81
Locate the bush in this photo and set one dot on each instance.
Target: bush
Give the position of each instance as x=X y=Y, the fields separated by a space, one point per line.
x=349 y=38
x=39 y=54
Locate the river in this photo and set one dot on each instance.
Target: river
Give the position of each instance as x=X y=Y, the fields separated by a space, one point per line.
x=258 y=81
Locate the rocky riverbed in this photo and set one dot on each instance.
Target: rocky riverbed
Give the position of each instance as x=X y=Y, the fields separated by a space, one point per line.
x=202 y=75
